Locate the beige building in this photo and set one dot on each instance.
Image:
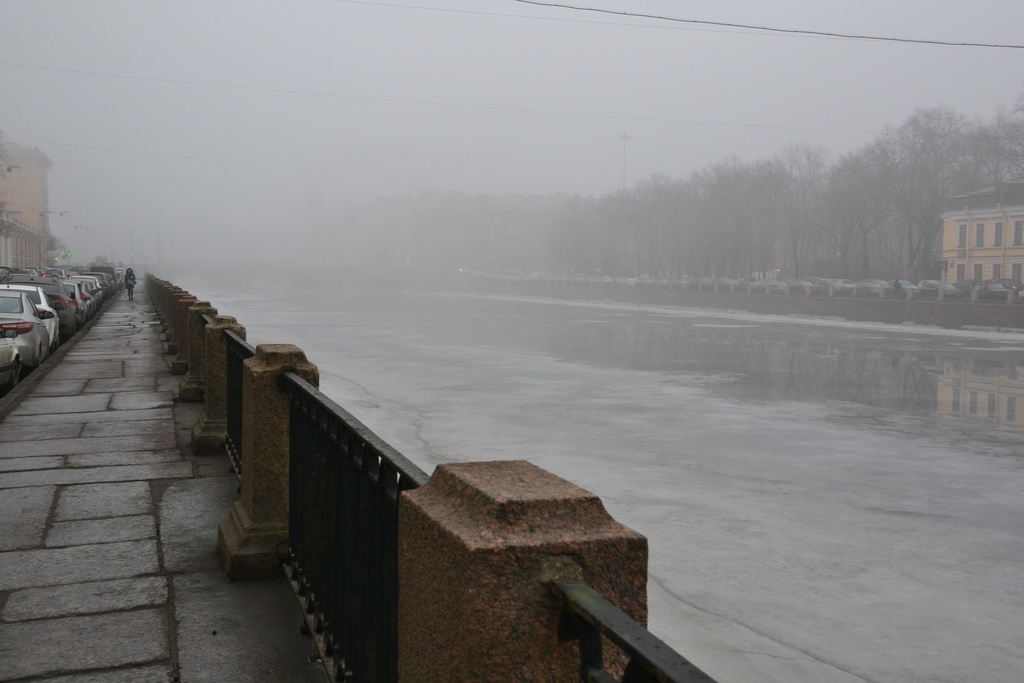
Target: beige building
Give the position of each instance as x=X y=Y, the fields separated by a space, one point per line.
x=983 y=234
x=24 y=205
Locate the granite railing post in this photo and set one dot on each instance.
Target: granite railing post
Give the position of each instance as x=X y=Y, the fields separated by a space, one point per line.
x=181 y=333
x=193 y=383
x=170 y=333
x=209 y=434
x=477 y=546
x=253 y=540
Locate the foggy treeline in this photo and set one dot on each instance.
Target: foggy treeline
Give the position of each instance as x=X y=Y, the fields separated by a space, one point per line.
x=873 y=212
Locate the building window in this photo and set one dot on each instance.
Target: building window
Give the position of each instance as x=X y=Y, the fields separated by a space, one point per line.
x=991 y=406
x=1011 y=408
x=956 y=402
x=997 y=271
x=1018 y=232
x=961 y=240
x=961 y=272
x=979 y=234
x=997 y=238
x=1016 y=271
x=972 y=402
x=979 y=272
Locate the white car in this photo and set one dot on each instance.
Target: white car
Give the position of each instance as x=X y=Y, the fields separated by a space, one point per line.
x=42 y=303
x=10 y=362
x=18 y=313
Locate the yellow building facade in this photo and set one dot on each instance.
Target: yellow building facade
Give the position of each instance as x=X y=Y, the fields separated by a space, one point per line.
x=24 y=205
x=983 y=234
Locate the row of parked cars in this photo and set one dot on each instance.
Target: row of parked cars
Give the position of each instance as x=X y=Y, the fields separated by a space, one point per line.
x=42 y=309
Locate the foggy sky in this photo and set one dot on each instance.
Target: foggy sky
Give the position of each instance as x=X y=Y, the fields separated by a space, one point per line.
x=235 y=122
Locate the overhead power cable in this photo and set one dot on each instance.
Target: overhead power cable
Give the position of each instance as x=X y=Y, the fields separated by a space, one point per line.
x=772 y=29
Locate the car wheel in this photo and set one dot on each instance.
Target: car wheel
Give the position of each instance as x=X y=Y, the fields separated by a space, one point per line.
x=15 y=377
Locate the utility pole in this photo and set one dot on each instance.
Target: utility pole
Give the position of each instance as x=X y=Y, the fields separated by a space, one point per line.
x=625 y=138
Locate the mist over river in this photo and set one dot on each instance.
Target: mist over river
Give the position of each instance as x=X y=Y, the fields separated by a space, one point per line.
x=824 y=500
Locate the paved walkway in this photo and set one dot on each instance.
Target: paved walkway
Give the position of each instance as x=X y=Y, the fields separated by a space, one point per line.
x=108 y=526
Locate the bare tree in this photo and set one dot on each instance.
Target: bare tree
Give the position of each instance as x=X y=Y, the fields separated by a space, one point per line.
x=857 y=204
x=923 y=162
x=801 y=174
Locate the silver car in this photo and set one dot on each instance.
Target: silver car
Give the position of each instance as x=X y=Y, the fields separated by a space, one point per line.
x=18 y=313
x=39 y=298
x=10 y=362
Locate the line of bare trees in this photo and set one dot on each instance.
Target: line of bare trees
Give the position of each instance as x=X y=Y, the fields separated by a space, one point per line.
x=871 y=213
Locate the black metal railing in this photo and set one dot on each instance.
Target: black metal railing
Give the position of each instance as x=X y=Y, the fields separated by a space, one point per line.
x=587 y=616
x=344 y=483
x=238 y=350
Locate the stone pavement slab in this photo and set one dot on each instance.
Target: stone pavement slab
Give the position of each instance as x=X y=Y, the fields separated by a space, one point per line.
x=81 y=418
x=33 y=463
x=92 y=501
x=38 y=430
x=159 y=673
x=141 y=400
x=86 y=598
x=122 y=458
x=106 y=444
x=87 y=475
x=56 y=566
x=75 y=643
x=53 y=405
x=129 y=428
x=24 y=513
x=106 y=530
x=215 y=621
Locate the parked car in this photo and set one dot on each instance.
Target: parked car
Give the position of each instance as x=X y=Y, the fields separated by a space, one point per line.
x=931 y=288
x=18 y=313
x=904 y=287
x=870 y=287
x=768 y=287
x=10 y=361
x=106 y=282
x=800 y=286
x=42 y=302
x=60 y=300
x=992 y=290
x=93 y=289
x=840 y=286
x=84 y=309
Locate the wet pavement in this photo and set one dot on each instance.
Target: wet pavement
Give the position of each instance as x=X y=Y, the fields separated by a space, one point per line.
x=107 y=565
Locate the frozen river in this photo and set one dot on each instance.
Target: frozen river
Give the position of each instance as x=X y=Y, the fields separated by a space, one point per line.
x=824 y=501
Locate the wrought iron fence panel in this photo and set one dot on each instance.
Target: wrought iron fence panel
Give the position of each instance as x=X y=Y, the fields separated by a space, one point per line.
x=238 y=350
x=344 y=483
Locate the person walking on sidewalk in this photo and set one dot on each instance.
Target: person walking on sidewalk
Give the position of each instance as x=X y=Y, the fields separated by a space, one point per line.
x=129 y=283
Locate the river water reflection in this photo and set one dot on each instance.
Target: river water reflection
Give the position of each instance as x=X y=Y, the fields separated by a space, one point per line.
x=975 y=376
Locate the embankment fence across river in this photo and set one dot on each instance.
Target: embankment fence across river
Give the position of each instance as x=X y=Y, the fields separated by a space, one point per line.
x=479 y=571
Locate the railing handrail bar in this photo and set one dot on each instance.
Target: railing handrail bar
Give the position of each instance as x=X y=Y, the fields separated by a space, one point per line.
x=408 y=470
x=241 y=342
x=656 y=657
